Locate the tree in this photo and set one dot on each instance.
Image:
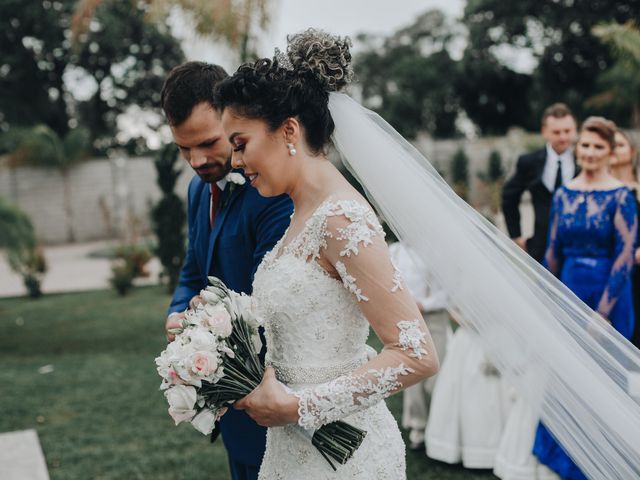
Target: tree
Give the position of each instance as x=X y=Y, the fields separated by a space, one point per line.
x=33 y=58
x=18 y=238
x=410 y=80
x=492 y=181
x=127 y=57
x=169 y=216
x=495 y=172
x=558 y=35
x=460 y=173
x=42 y=146
x=621 y=83
x=119 y=63
x=234 y=22
x=492 y=94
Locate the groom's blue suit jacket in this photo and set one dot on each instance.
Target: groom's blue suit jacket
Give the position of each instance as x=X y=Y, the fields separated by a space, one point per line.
x=246 y=227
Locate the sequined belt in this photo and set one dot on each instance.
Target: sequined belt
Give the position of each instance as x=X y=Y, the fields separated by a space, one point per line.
x=297 y=374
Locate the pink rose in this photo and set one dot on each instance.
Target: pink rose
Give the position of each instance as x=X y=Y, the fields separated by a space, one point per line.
x=203 y=363
x=220 y=323
x=174 y=378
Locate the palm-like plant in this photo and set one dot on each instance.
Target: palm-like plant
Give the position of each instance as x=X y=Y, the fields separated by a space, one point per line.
x=41 y=146
x=232 y=21
x=621 y=81
x=17 y=237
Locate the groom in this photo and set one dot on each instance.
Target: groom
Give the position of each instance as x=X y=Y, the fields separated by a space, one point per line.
x=231 y=226
x=541 y=173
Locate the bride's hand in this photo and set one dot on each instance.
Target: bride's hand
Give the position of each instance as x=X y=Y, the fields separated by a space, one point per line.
x=269 y=404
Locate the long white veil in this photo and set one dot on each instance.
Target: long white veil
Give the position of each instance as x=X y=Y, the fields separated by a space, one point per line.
x=578 y=373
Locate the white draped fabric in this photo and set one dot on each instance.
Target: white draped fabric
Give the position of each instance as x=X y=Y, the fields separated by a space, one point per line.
x=576 y=371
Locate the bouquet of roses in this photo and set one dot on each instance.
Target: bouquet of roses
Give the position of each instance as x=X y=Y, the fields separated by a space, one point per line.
x=214 y=361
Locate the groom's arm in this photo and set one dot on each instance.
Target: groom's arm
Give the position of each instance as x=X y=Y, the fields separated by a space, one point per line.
x=190 y=280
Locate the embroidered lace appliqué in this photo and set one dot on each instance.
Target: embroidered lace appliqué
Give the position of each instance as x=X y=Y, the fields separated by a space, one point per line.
x=345 y=395
x=412 y=338
x=397 y=280
x=363 y=226
x=349 y=282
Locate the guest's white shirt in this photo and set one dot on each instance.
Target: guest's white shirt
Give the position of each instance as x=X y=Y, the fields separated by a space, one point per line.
x=416 y=278
x=551 y=167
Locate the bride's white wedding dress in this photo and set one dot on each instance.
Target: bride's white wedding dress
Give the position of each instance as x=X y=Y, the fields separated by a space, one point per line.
x=316 y=327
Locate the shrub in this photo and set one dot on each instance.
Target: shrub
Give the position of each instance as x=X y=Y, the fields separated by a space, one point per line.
x=460 y=173
x=136 y=256
x=122 y=275
x=169 y=217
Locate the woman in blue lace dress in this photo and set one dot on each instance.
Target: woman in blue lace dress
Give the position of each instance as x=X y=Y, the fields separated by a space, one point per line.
x=624 y=167
x=591 y=250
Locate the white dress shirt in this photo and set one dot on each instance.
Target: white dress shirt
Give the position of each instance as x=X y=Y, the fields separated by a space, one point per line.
x=416 y=278
x=551 y=167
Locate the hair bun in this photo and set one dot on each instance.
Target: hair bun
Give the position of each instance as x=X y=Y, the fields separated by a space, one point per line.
x=325 y=56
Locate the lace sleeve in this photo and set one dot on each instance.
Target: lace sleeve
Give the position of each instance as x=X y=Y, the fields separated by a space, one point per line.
x=553 y=255
x=356 y=249
x=625 y=222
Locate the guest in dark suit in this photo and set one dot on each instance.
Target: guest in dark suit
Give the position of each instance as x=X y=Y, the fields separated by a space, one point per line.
x=541 y=173
x=231 y=227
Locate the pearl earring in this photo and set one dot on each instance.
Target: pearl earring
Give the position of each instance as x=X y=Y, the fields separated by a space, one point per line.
x=292 y=149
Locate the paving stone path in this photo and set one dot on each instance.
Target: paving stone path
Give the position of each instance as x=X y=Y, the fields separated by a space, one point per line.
x=21 y=457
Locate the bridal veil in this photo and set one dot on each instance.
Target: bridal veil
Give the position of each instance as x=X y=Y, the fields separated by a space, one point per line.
x=579 y=374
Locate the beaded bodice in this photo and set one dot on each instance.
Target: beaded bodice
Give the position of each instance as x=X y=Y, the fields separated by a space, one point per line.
x=312 y=322
x=310 y=319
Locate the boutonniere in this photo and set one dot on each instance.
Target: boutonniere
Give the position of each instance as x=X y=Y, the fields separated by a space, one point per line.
x=234 y=179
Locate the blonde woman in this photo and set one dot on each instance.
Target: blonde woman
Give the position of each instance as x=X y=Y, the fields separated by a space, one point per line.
x=624 y=166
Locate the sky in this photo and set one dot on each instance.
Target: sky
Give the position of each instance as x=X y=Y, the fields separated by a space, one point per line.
x=349 y=17
x=341 y=17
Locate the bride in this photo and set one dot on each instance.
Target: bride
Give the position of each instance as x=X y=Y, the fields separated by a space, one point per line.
x=330 y=277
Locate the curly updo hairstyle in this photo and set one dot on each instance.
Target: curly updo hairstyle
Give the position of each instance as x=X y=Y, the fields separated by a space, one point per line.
x=293 y=85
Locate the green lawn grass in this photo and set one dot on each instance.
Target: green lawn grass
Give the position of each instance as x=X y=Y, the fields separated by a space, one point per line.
x=99 y=413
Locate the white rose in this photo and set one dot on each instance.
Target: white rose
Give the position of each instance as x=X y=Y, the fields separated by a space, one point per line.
x=181 y=400
x=219 y=320
x=210 y=309
x=235 y=177
x=211 y=296
x=202 y=339
x=192 y=317
x=222 y=347
x=204 y=421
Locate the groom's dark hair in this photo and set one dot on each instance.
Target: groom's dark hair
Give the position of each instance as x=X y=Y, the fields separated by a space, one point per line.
x=188 y=85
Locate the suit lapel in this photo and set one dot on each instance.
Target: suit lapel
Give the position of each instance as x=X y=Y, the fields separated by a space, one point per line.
x=542 y=160
x=226 y=201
